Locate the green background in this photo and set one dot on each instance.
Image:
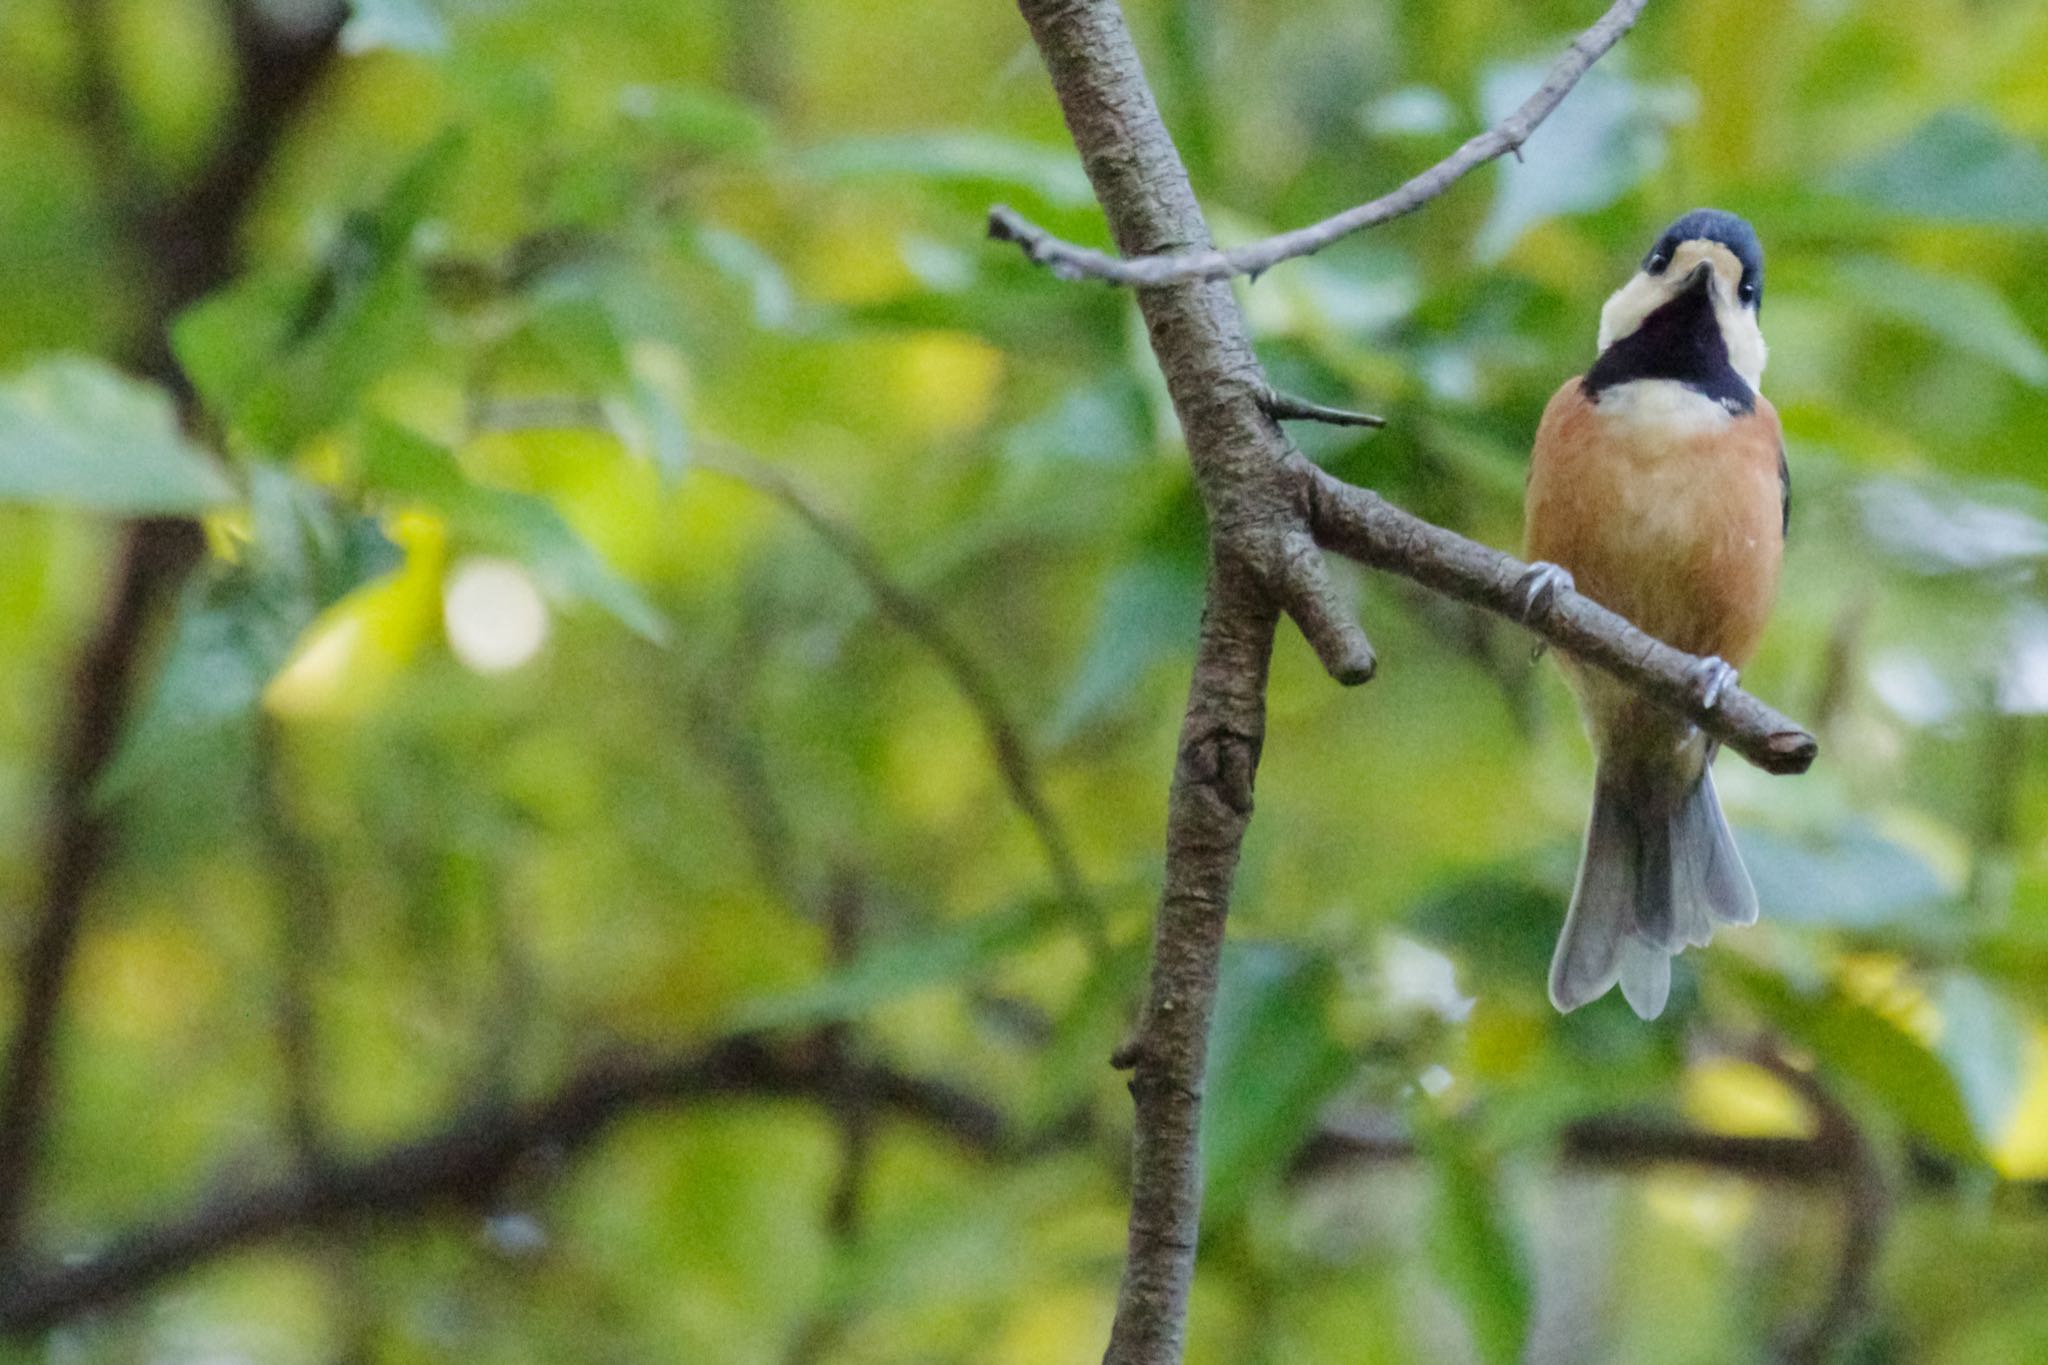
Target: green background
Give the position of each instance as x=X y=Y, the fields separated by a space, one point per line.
x=524 y=271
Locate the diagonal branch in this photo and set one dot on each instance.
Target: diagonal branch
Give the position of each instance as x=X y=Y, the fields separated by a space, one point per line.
x=465 y=1164
x=918 y=618
x=1071 y=262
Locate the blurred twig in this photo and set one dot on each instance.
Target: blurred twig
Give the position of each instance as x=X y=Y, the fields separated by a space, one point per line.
x=98 y=106
x=852 y=1110
x=1165 y=265
x=1996 y=835
x=306 y=921
x=184 y=243
x=735 y=749
x=306 y=926
x=1866 y=1214
x=758 y=40
x=845 y=915
x=1840 y=663
x=977 y=686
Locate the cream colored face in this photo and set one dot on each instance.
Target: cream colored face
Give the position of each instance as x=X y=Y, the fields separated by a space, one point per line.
x=1645 y=293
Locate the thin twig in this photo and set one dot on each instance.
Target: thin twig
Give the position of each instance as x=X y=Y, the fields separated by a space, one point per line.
x=734 y=748
x=99 y=106
x=977 y=686
x=1072 y=262
x=1618 y=1143
x=306 y=916
x=1286 y=407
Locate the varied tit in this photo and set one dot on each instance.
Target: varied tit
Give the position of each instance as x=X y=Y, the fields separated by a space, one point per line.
x=1658 y=488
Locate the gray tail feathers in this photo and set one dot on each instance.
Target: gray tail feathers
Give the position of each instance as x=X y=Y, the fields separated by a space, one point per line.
x=1657 y=875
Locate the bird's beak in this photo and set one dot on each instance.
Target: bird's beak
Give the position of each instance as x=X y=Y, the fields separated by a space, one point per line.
x=1701 y=278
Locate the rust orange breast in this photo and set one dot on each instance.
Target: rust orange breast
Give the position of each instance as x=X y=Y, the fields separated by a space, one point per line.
x=1665 y=507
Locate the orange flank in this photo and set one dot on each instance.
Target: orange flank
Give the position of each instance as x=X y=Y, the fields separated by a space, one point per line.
x=1665 y=507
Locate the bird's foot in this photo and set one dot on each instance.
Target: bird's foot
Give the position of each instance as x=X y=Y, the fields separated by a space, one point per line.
x=1713 y=675
x=1540 y=584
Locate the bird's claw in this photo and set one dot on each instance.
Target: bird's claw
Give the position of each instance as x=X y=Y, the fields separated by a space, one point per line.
x=1713 y=676
x=1540 y=584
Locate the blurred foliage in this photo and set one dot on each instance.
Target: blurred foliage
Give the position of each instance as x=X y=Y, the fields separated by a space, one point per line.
x=522 y=261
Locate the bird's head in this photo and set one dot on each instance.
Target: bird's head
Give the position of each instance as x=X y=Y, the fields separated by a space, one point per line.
x=1708 y=269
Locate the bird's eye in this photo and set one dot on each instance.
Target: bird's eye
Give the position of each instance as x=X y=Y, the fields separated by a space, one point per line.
x=1747 y=292
x=1658 y=260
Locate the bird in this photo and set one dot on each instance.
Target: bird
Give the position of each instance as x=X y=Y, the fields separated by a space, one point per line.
x=1658 y=487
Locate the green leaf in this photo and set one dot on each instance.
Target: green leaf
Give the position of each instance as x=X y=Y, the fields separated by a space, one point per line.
x=1147 y=613
x=285 y=359
x=1102 y=423
x=1597 y=146
x=1855 y=1042
x=887 y=972
x=228 y=343
x=648 y=418
x=1984 y=1044
x=1272 y=1064
x=1503 y=926
x=1471 y=1245
x=974 y=160
x=527 y=528
x=238 y=624
x=78 y=433
x=1956 y=167
x=775 y=304
x=1855 y=878
x=697 y=116
x=400 y=25
x=1095 y=1019
x=1960 y=310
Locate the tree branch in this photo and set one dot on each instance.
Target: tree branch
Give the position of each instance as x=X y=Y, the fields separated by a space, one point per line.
x=1138 y=269
x=1364 y=526
x=185 y=245
x=1261 y=561
x=157 y=554
x=462 y=1167
x=1270 y=515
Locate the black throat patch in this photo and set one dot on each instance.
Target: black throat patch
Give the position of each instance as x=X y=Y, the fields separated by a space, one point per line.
x=1680 y=341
